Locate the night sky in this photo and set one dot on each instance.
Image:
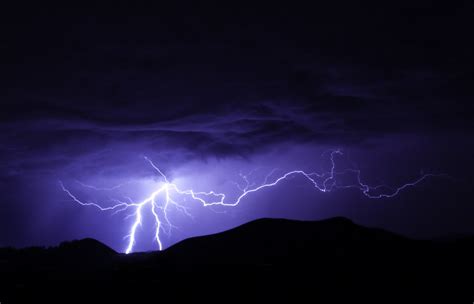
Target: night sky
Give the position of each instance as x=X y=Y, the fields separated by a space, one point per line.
x=211 y=91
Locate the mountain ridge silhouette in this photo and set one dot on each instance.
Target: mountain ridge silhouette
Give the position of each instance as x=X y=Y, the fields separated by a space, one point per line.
x=330 y=259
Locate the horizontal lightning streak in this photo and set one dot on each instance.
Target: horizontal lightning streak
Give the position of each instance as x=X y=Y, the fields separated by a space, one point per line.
x=324 y=182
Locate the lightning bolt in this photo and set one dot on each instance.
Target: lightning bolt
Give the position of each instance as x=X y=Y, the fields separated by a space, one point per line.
x=166 y=194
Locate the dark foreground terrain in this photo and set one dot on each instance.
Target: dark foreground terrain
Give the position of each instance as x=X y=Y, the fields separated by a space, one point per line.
x=333 y=260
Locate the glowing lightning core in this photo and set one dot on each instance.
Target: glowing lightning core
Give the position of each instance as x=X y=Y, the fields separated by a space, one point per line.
x=162 y=198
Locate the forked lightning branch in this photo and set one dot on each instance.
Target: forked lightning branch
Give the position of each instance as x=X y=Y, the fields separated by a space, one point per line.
x=168 y=195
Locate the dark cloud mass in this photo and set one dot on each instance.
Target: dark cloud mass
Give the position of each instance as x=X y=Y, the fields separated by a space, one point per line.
x=86 y=93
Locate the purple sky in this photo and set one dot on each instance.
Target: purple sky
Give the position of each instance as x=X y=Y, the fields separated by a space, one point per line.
x=86 y=95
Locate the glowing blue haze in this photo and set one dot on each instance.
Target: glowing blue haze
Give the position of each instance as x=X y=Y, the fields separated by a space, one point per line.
x=168 y=195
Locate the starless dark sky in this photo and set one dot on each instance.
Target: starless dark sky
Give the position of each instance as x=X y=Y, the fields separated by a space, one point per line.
x=208 y=90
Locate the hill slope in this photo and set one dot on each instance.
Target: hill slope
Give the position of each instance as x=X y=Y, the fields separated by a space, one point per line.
x=332 y=259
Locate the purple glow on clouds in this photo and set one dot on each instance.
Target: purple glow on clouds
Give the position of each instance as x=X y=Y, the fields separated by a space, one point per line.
x=85 y=101
x=168 y=194
x=219 y=175
x=138 y=180
x=37 y=212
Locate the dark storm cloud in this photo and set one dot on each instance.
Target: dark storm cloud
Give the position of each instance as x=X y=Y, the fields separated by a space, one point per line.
x=89 y=92
x=219 y=134
x=339 y=111
x=133 y=68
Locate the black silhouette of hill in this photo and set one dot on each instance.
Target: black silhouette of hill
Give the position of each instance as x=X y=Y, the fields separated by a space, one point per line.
x=86 y=247
x=267 y=241
x=333 y=260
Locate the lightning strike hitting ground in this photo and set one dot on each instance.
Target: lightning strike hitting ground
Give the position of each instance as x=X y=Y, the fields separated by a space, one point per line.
x=164 y=197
